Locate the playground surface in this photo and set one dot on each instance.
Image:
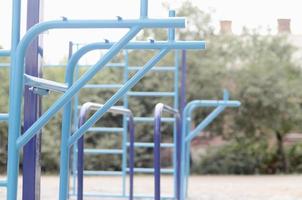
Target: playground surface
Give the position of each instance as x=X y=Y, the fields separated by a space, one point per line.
x=201 y=187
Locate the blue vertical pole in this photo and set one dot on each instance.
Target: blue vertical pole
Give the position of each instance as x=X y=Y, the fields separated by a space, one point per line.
x=125 y=126
x=32 y=111
x=13 y=151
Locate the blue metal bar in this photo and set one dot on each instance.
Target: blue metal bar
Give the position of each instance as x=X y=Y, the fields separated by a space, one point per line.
x=125 y=125
x=44 y=84
x=3 y=183
x=150 y=94
x=14 y=122
x=14 y=129
x=103 y=86
x=73 y=89
x=186 y=139
x=151 y=170
x=4 y=117
x=159 y=69
x=86 y=108
x=103 y=151
x=4 y=53
x=102 y=173
x=119 y=94
x=144 y=9
x=159 y=109
x=110 y=196
x=151 y=145
x=105 y=129
x=151 y=119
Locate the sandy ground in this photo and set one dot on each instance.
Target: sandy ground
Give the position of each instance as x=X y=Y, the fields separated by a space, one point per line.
x=201 y=187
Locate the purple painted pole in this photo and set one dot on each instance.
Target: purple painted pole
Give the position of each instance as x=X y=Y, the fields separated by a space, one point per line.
x=32 y=111
x=159 y=109
x=85 y=109
x=183 y=84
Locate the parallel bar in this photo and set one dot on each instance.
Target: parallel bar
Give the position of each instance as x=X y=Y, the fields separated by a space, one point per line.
x=103 y=151
x=151 y=145
x=151 y=94
x=4 y=116
x=102 y=173
x=105 y=129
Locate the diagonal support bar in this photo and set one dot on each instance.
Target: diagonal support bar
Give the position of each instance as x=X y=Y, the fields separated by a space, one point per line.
x=119 y=94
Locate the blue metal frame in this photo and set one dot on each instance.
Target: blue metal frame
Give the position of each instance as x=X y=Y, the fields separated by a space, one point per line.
x=85 y=109
x=18 y=49
x=188 y=134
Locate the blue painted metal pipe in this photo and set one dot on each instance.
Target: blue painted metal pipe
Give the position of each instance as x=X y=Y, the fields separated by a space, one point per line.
x=159 y=109
x=188 y=136
x=120 y=93
x=4 y=117
x=85 y=109
x=4 y=53
x=144 y=9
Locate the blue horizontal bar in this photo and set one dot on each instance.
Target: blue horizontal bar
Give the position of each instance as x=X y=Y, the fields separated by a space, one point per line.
x=151 y=145
x=109 y=65
x=105 y=129
x=44 y=84
x=151 y=119
x=151 y=94
x=151 y=170
x=4 y=65
x=102 y=173
x=4 y=116
x=4 y=53
x=156 y=45
x=3 y=183
x=103 y=151
x=162 y=68
x=103 y=86
x=135 y=196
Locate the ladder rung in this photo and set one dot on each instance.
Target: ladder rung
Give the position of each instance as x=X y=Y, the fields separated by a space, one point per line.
x=103 y=86
x=106 y=129
x=103 y=151
x=3 y=183
x=122 y=196
x=158 y=94
x=4 y=53
x=151 y=119
x=44 y=84
x=3 y=116
x=163 y=68
x=151 y=144
x=151 y=170
x=102 y=173
x=4 y=65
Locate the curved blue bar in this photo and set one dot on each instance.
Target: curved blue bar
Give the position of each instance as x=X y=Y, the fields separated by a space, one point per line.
x=186 y=139
x=85 y=109
x=159 y=109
